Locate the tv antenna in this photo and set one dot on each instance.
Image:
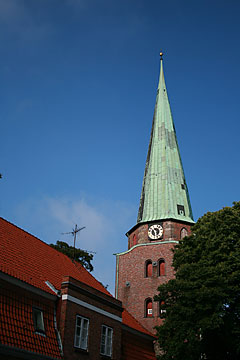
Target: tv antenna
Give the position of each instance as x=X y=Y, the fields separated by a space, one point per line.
x=74 y=233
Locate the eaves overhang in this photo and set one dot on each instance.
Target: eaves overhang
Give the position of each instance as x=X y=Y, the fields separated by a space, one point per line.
x=17 y=353
x=182 y=219
x=16 y=282
x=153 y=243
x=139 y=333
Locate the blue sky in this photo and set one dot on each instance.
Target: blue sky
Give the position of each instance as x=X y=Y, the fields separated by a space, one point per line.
x=78 y=87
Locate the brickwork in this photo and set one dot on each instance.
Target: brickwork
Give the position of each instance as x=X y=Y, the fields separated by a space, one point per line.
x=69 y=311
x=132 y=285
x=32 y=276
x=171 y=231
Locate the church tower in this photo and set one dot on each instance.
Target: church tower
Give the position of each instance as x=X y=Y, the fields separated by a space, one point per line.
x=164 y=217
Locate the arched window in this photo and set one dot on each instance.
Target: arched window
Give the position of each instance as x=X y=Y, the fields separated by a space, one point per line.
x=161 y=267
x=134 y=240
x=183 y=233
x=148 y=308
x=148 y=268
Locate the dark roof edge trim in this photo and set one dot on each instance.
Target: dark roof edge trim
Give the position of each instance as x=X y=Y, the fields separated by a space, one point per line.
x=93 y=296
x=24 y=354
x=157 y=221
x=26 y=286
x=138 y=332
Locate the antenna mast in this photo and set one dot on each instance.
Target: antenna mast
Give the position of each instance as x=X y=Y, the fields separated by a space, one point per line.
x=74 y=233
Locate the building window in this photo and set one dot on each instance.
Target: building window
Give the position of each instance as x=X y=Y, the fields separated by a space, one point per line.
x=148 y=308
x=81 y=333
x=106 y=341
x=148 y=268
x=183 y=233
x=38 y=320
x=161 y=267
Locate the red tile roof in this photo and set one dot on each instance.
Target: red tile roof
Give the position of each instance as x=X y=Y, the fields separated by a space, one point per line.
x=17 y=329
x=130 y=321
x=29 y=259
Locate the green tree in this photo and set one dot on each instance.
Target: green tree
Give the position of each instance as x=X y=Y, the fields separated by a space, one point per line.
x=81 y=256
x=202 y=304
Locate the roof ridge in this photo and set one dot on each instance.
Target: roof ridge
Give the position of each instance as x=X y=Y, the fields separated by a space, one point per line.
x=37 y=238
x=62 y=257
x=28 y=233
x=77 y=263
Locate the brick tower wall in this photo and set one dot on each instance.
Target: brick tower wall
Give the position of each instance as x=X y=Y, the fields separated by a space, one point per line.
x=133 y=287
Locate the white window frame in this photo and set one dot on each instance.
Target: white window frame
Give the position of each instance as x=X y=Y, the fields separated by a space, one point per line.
x=149 y=311
x=81 y=332
x=106 y=341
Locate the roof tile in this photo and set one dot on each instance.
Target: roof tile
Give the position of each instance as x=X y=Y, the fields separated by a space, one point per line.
x=32 y=261
x=29 y=259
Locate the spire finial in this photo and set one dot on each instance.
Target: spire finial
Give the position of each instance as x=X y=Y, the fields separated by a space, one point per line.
x=161 y=55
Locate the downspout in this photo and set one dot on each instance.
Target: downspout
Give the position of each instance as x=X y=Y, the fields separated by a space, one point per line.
x=58 y=293
x=56 y=329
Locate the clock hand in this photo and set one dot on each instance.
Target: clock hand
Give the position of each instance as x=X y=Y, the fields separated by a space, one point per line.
x=153 y=232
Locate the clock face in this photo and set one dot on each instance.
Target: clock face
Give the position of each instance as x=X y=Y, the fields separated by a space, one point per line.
x=155 y=232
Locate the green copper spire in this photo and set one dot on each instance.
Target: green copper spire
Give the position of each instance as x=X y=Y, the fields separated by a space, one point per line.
x=164 y=191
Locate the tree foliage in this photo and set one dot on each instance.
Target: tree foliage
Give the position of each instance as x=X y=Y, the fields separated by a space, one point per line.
x=202 y=318
x=81 y=256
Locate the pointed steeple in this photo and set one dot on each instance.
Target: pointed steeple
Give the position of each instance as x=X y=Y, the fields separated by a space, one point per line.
x=164 y=191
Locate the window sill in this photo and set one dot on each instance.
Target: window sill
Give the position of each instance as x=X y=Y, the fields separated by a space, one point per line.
x=82 y=351
x=105 y=356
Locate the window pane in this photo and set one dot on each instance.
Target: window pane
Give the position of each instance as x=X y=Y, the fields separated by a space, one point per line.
x=161 y=267
x=81 y=333
x=104 y=328
x=38 y=320
x=103 y=340
x=106 y=341
x=77 y=341
x=85 y=323
x=149 y=308
x=78 y=329
x=149 y=269
x=84 y=340
x=103 y=349
x=109 y=342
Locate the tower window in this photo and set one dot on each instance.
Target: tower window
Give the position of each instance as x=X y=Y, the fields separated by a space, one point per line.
x=161 y=267
x=180 y=210
x=148 y=268
x=161 y=310
x=148 y=308
x=183 y=233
